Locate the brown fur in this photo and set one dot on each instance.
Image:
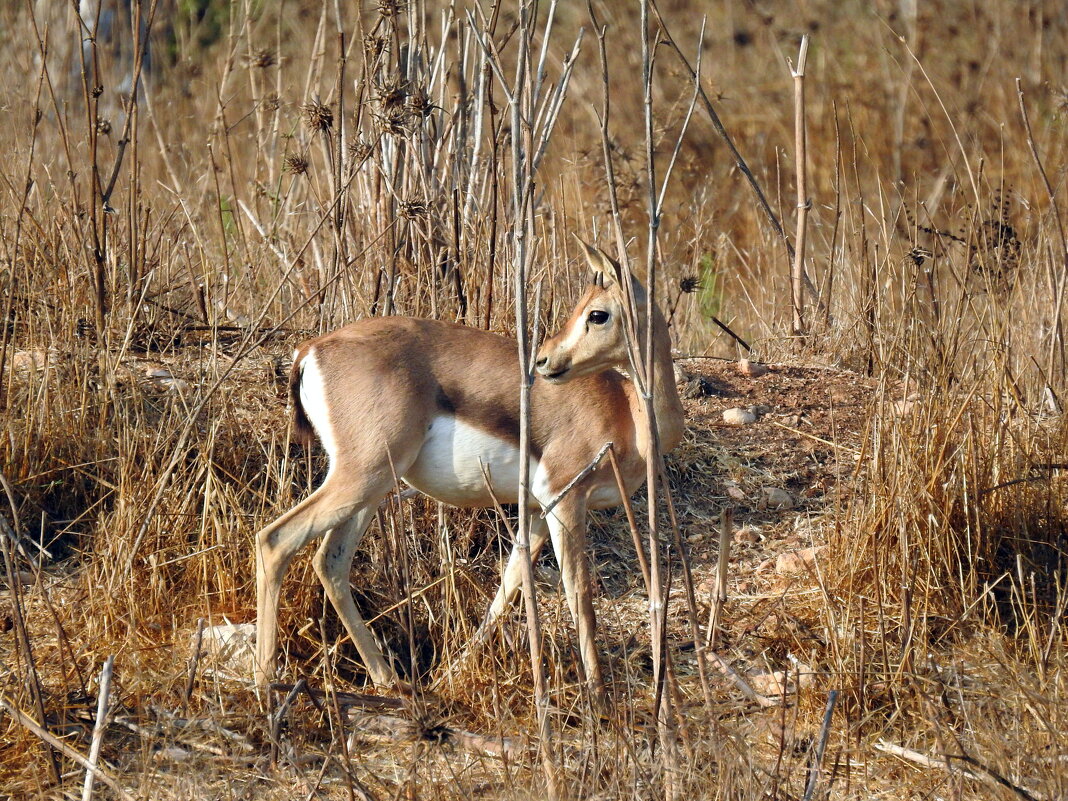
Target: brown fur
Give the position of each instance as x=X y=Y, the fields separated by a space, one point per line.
x=390 y=385
x=473 y=375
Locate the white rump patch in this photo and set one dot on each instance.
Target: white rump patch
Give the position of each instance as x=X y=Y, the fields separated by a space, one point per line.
x=313 y=398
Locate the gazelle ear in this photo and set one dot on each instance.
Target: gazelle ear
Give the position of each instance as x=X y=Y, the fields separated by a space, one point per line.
x=601 y=262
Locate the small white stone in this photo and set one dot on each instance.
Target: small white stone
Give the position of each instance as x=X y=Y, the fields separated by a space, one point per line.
x=738 y=417
x=752 y=369
x=179 y=385
x=776 y=498
x=747 y=535
x=798 y=561
x=735 y=491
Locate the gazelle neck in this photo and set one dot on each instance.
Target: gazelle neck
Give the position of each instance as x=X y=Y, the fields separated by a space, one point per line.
x=667 y=406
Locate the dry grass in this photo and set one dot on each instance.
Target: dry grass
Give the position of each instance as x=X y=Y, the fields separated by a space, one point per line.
x=919 y=426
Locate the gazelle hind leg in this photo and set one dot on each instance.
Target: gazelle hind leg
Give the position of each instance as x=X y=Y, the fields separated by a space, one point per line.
x=333 y=563
x=276 y=545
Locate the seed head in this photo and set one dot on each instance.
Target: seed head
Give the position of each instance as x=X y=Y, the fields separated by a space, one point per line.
x=690 y=284
x=360 y=151
x=919 y=255
x=392 y=93
x=318 y=117
x=391 y=8
x=419 y=103
x=261 y=59
x=412 y=209
x=396 y=122
x=373 y=46
x=296 y=165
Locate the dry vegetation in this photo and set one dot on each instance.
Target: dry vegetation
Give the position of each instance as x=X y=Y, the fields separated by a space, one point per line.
x=267 y=191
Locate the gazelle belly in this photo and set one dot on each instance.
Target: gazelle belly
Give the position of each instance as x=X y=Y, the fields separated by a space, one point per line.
x=458 y=460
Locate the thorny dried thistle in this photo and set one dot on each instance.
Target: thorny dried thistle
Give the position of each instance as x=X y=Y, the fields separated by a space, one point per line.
x=413 y=209
x=687 y=286
x=996 y=249
x=919 y=255
x=992 y=243
x=261 y=59
x=360 y=151
x=396 y=122
x=296 y=165
x=373 y=46
x=391 y=8
x=419 y=103
x=392 y=92
x=318 y=117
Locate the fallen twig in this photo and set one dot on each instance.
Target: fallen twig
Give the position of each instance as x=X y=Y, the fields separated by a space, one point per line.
x=27 y=722
x=825 y=730
x=361 y=700
x=987 y=776
x=835 y=445
x=206 y=725
x=279 y=715
x=392 y=728
x=719 y=592
x=194 y=660
x=727 y=329
x=172 y=750
x=1035 y=468
x=723 y=667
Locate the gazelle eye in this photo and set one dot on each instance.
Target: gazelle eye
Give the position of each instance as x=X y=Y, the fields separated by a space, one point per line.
x=598 y=317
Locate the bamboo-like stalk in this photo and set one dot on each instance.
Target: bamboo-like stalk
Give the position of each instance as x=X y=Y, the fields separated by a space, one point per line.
x=91 y=91
x=719 y=590
x=797 y=273
x=657 y=601
x=520 y=108
x=99 y=727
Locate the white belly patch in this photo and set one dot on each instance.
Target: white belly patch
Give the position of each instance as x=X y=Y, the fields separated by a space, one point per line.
x=456 y=459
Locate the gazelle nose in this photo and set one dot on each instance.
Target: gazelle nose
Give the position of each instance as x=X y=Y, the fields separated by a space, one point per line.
x=541 y=362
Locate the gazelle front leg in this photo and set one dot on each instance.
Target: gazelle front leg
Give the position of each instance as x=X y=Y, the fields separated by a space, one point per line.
x=511 y=583
x=512 y=578
x=567 y=527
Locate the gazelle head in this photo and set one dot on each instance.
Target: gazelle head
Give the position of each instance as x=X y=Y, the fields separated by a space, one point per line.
x=594 y=338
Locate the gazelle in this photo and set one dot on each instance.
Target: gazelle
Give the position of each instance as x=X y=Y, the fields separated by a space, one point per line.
x=436 y=404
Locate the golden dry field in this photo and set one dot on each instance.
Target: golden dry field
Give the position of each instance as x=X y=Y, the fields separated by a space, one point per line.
x=191 y=188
